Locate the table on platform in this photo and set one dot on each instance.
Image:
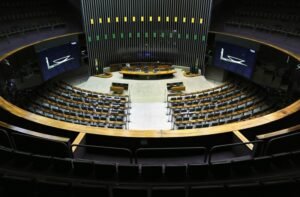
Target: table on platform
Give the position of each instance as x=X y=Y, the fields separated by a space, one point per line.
x=148 y=72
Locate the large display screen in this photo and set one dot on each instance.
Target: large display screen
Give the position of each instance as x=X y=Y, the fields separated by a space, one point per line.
x=59 y=59
x=237 y=59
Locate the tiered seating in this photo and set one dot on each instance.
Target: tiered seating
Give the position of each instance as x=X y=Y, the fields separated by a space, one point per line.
x=228 y=103
x=67 y=103
x=26 y=141
x=242 y=170
x=284 y=140
x=105 y=163
x=19 y=17
x=271 y=16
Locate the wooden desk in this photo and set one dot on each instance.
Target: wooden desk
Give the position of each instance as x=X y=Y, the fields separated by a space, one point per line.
x=33 y=133
x=177 y=89
x=61 y=126
x=139 y=74
x=124 y=85
x=117 y=89
x=148 y=71
x=281 y=132
x=105 y=75
x=170 y=85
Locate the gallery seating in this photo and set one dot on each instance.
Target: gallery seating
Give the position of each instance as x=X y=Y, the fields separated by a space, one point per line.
x=228 y=103
x=70 y=104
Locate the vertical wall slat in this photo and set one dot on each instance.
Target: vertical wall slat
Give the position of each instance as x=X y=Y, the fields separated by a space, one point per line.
x=114 y=49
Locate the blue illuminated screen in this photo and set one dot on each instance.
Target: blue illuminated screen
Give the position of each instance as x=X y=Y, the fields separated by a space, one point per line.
x=59 y=59
x=237 y=59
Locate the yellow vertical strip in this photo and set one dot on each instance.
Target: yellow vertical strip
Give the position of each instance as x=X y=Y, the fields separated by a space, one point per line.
x=167 y=19
x=193 y=20
x=117 y=19
x=184 y=20
x=150 y=18
x=125 y=19
x=175 y=19
x=108 y=19
x=201 y=20
x=133 y=19
x=92 y=21
x=142 y=18
x=158 y=18
x=100 y=20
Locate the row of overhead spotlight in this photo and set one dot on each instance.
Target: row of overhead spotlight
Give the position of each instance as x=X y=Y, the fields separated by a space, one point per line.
x=142 y=19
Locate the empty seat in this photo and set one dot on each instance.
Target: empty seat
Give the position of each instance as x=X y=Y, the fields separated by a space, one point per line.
x=128 y=172
x=207 y=190
x=242 y=167
x=83 y=168
x=21 y=160
x=151 y=172
x=221 y=169
x=41 y=162
x=105 y=171
x=103 y=154
x=62 y=165
x=295 y=158
x=281 y=187
x=168 y=191
x=129 y=191
x=171 y=155
x=6 y=155
x=14 y=185
x=286 y=143
x=175 y=172
x=53 y=188
x=198 y=171
x=5 y=139
x=249 y=189
x=231 y=151
x=89 y=189
x=282 y=160
x=262 y=164
x=42 y=146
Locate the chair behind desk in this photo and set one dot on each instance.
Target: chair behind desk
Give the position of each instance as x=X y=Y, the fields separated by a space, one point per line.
x=124 y=85
x=170 y=85
x=177 y=88
x=117 y=89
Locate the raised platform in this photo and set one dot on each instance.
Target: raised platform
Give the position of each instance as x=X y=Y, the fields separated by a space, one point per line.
x=148 y=75
x=189 y=74
x=148 y=72
x=104 y=75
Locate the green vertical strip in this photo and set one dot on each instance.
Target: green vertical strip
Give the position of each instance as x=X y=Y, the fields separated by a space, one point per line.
x=105 y=36
x=171 y=35
x=130 y=35
x=195 y=37
x=138 y=34
x=187 y=36
x=97 y=37
x=122 y=35
x=114 y=36
x=154 y=34
x=162 y=35
x=179 y=36
x=89 y=39
x=146 y=35
x=203 y=38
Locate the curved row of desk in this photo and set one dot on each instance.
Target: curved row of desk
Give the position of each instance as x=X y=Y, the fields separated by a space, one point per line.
x=18 y=112
x=26 y=174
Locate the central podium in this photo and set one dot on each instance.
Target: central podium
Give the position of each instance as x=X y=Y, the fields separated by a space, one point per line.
x=147 y=71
